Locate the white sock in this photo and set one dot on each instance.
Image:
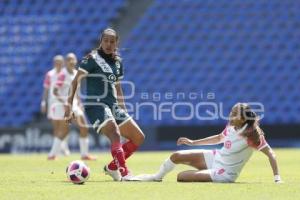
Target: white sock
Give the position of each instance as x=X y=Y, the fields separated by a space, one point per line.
x=65 y=146
x=165 y=168
x=55 y=147
x=84 y=146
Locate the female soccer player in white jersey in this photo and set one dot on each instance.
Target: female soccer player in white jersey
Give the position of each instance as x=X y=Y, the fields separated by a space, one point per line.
x=61 y=90
x=241 y=136
x=54 y=107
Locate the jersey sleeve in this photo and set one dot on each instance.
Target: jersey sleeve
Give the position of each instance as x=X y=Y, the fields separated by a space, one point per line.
x=86 y=65
x=263 y=143
x=60 y=80
x=47 y=81
x=225 y=132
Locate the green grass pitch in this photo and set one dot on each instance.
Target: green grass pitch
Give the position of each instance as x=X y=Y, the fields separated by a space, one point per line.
x=32 y=177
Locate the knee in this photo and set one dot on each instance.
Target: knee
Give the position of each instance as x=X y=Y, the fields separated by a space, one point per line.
x=111 y=131
x=140 y=139
x=175 y=157
x=61 y=137
x=180 y=177
x=136 y=136
x=110 y=126
x=83 y=132
x=61 y=134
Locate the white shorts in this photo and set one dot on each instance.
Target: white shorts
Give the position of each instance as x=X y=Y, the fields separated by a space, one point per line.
x=209 y=158
x=56 y=111
x=78 y=111
x=217 y=171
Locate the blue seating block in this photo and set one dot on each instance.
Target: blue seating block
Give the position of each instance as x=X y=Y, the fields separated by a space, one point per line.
x=241 y=51
x=32 y=32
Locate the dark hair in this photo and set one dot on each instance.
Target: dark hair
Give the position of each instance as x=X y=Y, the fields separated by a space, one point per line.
x=116 y=54
x=107 y=30
x=249 y=115
x=252 y=131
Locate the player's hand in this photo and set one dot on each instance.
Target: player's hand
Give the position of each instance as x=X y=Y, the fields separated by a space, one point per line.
x=69 y=115
x=43 y=107
x=185 y=141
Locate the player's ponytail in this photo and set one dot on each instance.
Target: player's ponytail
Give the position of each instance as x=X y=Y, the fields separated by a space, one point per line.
x=253 y=131
x=250 y=117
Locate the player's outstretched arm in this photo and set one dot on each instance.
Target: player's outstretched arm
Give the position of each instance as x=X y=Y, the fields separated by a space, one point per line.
x=215 y=139
x=73 y=88
x=120 y=95
x=44 y=100
x=268 y=151
x=45 y=94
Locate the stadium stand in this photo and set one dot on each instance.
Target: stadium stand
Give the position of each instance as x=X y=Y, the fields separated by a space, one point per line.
x=32 y=32
x=221 y=47
x=177 y=46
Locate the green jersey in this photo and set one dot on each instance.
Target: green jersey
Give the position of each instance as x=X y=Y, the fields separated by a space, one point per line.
x=103 y=72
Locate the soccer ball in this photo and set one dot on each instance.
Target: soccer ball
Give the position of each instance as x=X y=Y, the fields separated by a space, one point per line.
x=78 y=172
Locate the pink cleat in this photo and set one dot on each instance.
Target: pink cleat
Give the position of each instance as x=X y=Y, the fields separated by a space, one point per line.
x=51 y=158
x=88 y=157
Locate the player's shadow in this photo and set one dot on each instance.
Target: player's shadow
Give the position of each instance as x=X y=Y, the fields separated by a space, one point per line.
x=247 y=183
x=111 y=181
x=103 y=181
x=216 y=183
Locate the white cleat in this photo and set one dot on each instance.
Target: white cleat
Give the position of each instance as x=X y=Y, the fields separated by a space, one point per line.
x=148 y=178
x=65 y=151
x=129 y=177
x=115 y=174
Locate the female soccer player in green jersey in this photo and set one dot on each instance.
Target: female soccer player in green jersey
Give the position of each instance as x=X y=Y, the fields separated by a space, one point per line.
x=104 y=103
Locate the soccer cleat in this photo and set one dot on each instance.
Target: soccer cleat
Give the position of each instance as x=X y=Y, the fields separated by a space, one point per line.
x=64 y=151
x=279 y=182
x=129 y=177
x=148 y=178
x=51 y=158
x=115 y=174
x=88 y=157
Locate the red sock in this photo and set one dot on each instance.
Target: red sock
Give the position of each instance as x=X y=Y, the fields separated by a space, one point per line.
x=129 y=148
x=118 y=154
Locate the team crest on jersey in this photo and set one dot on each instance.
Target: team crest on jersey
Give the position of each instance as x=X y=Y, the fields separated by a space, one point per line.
x=101 y=62
x=112 y=77
x=228 y=144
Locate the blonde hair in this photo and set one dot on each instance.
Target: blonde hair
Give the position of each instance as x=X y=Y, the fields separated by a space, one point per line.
x=71 y=55
x=58 y=58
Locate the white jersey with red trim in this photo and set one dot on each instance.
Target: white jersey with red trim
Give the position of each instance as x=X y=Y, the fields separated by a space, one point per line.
x=63 y=85
x=55 y=107
x=50 y=82
x=236 y=151
x=64 y=82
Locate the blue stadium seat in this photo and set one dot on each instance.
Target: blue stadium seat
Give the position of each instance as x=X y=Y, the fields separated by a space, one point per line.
x=239 y=54
x=205 y=46
x=32 y=32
